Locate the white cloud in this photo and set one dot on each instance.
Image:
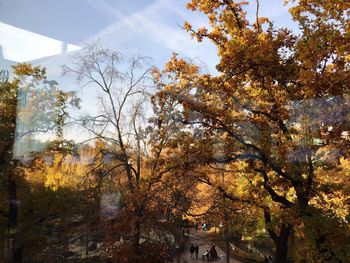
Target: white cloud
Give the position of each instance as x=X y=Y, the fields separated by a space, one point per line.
x=152 y=24
x=21 y=45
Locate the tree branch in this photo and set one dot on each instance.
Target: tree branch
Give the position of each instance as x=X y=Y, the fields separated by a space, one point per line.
x=267 y=217
x=275 y=197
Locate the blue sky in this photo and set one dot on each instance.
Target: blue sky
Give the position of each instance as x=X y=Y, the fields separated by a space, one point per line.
x=147 y=27
x=47 y=32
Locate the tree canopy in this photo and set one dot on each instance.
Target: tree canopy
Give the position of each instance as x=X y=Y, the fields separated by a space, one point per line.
x=259 y=149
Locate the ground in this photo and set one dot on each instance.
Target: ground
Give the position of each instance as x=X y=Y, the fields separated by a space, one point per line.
x=202 y=239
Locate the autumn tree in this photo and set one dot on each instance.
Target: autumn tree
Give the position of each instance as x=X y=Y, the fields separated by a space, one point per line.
x=280 y=103
x=136 y=168
x=28 y=107
x=59 y=178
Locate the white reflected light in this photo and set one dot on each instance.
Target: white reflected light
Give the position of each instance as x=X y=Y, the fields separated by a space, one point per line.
x=20 y=45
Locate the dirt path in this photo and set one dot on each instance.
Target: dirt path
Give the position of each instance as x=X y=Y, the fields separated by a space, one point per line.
x=201 y=239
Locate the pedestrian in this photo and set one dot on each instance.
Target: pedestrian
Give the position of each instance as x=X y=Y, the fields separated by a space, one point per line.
x=192 y=251
x=268 y=259
x=205 y=255
x=196 y=251
x=213 y=253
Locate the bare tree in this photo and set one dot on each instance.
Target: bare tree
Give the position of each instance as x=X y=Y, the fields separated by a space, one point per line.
x=123 y=85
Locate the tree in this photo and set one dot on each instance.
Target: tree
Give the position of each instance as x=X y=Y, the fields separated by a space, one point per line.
x=58 y=179
x=28 y=105
x=279 y=103
x=121 y=125
x=7 y=129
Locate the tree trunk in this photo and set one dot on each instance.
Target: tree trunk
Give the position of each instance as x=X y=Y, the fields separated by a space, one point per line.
x=2 y=247
x=16 y=249
x=282 y=243
x=227 y=251
x=136 y=239
x=303 y=203
x=280 y=239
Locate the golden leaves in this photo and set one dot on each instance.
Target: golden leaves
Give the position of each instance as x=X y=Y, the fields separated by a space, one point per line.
x=263 y=105
x=156 y=74
x=26 y=69
x=187 y=26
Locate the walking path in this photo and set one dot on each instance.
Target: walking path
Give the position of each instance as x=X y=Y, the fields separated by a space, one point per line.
x=201 y=239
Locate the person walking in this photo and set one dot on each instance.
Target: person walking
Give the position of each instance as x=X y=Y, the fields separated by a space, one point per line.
x=205 y=255
x=213 y=253
x=196 y=251
x=268 y=259
x=192 y=251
